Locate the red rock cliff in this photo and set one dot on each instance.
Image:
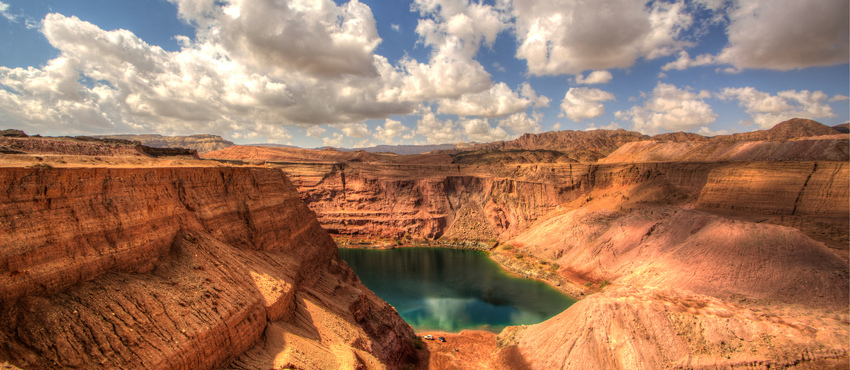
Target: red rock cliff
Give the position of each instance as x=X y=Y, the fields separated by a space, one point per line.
x=179 y=268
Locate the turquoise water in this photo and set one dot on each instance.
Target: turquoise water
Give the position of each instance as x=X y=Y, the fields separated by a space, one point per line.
x=451 y=290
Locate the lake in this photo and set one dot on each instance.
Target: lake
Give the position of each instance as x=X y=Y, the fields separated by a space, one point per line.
x=451 y=290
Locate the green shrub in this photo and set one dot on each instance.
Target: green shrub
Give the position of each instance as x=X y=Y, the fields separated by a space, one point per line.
x=507 y=247
x=604 y=283
x=518 y=255
x=555 y=266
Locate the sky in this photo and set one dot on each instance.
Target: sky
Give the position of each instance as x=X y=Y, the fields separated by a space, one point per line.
x=314 y=73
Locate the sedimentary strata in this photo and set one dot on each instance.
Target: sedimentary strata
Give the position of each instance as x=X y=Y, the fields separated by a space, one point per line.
x=179 y=268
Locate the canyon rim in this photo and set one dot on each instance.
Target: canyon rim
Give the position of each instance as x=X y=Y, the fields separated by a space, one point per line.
x=685 y=251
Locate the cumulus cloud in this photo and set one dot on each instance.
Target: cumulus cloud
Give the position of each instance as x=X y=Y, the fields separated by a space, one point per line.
x=582 y=103
x=317 y=37
x=669 y=108
x=437 y=131
x=355 y=130
x=498 y=101
x=705 y=131
x=480 y=130
x=455 y=31
x=595 y=77
x=315 y=131
x=521 y=123
x=610 y=126
x=684 y=61
x=335 y=140
x=767 y=110
x=787 y=34
x=139 y=87
x=568 y=37
x=390 y=131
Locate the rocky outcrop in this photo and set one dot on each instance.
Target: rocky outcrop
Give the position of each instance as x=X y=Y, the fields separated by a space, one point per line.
x=681 y=288
x=200 y=143
x=86 y=146
x=656 y=328
x=179 y=268
x=829 y=149
x=580 y=146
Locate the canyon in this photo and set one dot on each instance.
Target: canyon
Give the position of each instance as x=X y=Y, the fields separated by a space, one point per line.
x=116 y=261
x=684 y=251
x=732 y=249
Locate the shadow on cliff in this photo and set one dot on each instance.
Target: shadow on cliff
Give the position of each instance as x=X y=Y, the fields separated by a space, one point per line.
x=511 y=358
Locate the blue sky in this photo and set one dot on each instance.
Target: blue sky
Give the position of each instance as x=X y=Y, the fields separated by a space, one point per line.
x=355 y=74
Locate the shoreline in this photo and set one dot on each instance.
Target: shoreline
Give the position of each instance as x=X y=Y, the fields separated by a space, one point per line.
x=517 y=268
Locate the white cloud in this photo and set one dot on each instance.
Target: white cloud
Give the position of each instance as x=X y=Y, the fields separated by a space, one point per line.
x=581 y=103
x=16 y=18
x=705 y=131
x=767 y=110
x=335 y=140
x=390 y=131
x=315 y=131
x=479 y=130
x=556 y=126
x=595 y=77
x=436 y=131
x=454 y=30
x=275 y=37
x=521 y=123
x=669 y=108
x=355 y=130
x=787 y=34
x=395 y=27
x=498 y=101
x=538 y=101
x=611 y=126
x=685 y=61
x=4 y=11
x=142 y=88
x=839 y=97
x=568 y=37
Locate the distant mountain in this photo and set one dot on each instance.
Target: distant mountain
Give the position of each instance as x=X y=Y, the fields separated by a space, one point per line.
x=201 y=143
x=400 y=149
x=791 y=129
x=579 y=146
x=275 y=146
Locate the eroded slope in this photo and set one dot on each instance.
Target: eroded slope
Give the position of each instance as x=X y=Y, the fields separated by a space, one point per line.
x=179 y=268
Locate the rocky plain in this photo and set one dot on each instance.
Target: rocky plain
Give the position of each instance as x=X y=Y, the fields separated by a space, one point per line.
x=684 y=251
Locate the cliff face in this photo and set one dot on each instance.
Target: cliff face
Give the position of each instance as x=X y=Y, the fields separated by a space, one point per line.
x=201 y=143
x=481 y=202
x=682 y=288
x=179 y=268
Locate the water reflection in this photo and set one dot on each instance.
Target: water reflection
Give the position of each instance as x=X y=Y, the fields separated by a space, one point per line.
x=451 y=290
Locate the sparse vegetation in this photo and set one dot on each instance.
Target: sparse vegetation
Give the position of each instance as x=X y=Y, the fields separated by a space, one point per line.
x=518 y=255
x=555 y=266
x=507 y=247
x=604 y=283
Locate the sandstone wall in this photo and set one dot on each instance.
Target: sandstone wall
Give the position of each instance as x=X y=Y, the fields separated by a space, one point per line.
x=178 y=268
x=428 y=201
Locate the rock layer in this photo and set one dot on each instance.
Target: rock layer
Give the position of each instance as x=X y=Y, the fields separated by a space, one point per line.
x=178 y=268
